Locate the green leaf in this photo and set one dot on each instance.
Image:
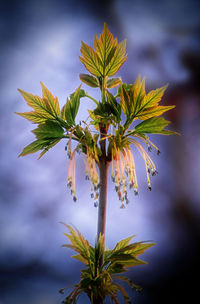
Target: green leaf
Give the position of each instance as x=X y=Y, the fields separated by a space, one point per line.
x=80 y=244
x=90 y=60
x=89 y=80
x=37 y=145
x=113 y=82
x=114 y=106
x=51 y=101
x=123 y=243
x=141 y=247
x=34 y=116
x=70 y=109
x=169 y=132
x=47 y=107
x=125 y=100
x=154 y=97
x=37 y=103
x=152 y=125
x=154 y=111
x=48 y=130
x=123 y=292
x=127 y=280
x=79 y=257
x=50 y=145
x=105 y=47
x=107 y=57
x=66 y=113
x=136 y=104
x=75 y=101
x=137 y=94
x=118 y=58
x=126 y=86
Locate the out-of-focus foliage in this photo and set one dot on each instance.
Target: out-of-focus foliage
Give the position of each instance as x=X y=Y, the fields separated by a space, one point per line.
x=99 y=280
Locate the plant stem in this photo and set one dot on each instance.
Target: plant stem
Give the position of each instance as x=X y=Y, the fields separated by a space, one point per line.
x=103 y=170
x=93 y=99
x=103 y=88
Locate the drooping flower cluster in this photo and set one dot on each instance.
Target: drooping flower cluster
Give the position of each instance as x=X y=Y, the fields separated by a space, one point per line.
x=92 y=175
x=123 y=173
x=90 y=162
x=123 y=166
x=122 y=158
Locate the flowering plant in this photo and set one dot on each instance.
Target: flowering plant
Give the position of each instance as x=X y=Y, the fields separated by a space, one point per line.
x=107 y=139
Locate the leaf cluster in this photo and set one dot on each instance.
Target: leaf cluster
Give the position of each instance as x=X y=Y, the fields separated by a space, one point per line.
x=130 y=102
x=53 y=123
x=106 y=58
x=101 y=280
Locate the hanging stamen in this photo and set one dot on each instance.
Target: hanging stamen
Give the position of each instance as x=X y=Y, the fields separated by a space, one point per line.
x=113 y=171
x=147 y=158
x=71 y=175
x=133 y=175
x=73 y=178
x=92 y=175
x=123 y=178
x=158 y=151
x=148 y=179
x=68 y=145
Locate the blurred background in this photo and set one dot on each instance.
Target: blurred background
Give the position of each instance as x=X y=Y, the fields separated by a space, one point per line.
x=40 y=41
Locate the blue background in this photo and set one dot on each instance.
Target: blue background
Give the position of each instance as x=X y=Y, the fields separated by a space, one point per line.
x=40 y=41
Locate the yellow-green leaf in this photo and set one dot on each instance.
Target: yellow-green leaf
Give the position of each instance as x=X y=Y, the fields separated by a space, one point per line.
x=123 y=243
x=35 y=146
x=51 y=101
x=80 y=244
x=105 y=47
x=51 y=144
x=137 y=94
x=141 y=248
x=152 y=125
x=79 y=257
x=154 y=111
x=90 y=60
x=49 y=129
x=70 y=109
x=107 y=56
x=33 y=116
x=66 y=113
x=125 y=100
x=123 y=292
x=89 y=80
x=117 y=59
x=113 y=82
x=154 y=97
x=47 y=107
x=37 y=103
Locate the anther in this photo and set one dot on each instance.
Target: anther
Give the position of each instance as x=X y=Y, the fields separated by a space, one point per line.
x=96 y=204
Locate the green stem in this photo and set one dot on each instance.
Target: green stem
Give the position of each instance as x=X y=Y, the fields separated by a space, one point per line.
x=68 y=136
x=103 y=89
x=93 y=99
